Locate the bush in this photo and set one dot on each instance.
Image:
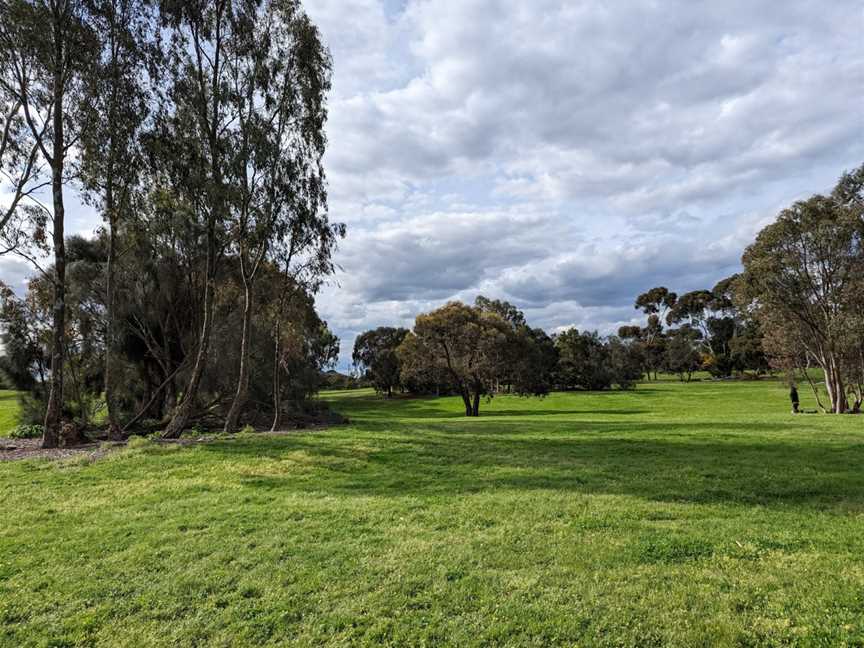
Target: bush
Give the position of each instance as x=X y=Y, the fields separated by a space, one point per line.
x=138 y=442
x=29 y=431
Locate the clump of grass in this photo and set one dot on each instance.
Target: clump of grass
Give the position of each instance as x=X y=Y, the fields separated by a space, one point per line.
x=137 y=442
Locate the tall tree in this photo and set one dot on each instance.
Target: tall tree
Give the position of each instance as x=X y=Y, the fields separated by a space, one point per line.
x=279 y=71
x=804 y=281
x=47 y=52
x=111 y=161
x=194 y=143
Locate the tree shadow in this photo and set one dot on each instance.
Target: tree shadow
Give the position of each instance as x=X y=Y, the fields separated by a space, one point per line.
x=663 y=462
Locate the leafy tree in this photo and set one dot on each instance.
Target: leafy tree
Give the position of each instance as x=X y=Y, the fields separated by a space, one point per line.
x=47 y=51
x=656 y=304
x=583 y=361
x=804 y=282
x=279 y=77
x=193 y=142
x=588 y=361
x=681 y=356
x=375 y=356
x=118 y=103
x=467 y=344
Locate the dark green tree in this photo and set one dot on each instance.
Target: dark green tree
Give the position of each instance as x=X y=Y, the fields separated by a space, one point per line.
x=375 y=356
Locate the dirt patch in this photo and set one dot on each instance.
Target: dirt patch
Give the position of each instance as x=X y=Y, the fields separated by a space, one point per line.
x=12 y=449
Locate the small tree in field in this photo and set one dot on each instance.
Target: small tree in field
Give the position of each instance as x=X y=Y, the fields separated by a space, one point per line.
x=470 y=345
x=375 y=354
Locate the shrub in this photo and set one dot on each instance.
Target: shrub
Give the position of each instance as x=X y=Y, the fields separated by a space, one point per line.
x=138 y=442
x=28 y=431
x=248 y=429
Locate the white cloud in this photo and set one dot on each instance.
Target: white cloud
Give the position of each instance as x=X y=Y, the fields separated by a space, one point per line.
x=569 y=155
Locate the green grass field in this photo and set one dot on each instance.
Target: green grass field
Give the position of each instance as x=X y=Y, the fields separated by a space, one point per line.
x=675 y=515
x=8 y=411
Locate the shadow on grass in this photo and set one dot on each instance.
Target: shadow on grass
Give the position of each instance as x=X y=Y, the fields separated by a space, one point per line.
x=666 y=462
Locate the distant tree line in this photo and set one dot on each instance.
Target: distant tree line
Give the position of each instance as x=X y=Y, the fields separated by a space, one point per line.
x=476 y=351
x=196 y=129
x=797 y=306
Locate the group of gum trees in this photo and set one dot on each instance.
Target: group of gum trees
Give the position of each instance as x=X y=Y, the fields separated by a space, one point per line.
x=487 y=348
x=196 y=129
x=700 y=330
x=797 y=307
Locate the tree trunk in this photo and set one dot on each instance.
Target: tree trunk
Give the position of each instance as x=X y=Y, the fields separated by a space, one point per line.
x=231 y=421
x=834 y=386
x=114 y=431
x=466 y=399
x=54 y=409
x=475 y=409
x=277 y=386
x=184 y=409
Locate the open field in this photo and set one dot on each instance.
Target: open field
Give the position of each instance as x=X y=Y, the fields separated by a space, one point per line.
x=8 y=411
x=679 y=515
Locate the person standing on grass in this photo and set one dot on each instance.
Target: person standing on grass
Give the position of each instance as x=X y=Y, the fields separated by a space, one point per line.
x=793 y=396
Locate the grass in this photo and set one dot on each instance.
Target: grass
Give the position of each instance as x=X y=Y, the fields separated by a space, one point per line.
x=675 y=515
x=8 y=411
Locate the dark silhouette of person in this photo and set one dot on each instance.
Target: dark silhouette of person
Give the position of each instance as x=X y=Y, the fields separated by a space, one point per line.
x=793 y=396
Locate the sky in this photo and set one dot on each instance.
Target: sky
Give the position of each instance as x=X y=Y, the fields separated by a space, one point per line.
x=567 y=155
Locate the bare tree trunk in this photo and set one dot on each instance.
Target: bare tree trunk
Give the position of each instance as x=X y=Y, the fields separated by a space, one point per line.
x=231 y=421
x=184 y=408
x=475 y=409
x=54 y=409
x=114 y=431
x=466 y=399
x=277 y=386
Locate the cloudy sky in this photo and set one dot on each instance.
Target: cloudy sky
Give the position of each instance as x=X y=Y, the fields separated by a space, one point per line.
x=567 y=155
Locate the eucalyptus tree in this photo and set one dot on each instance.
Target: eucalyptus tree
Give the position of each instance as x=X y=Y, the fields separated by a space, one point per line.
x=803 y=280
x=20 y=162
x=111 y=165
x=375 y=356
x=279 y=76
x=303 y=259
x=192 y=145
x=47 y=52
x=467 y=346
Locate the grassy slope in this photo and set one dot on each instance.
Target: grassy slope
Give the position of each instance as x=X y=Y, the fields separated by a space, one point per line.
x=675 y=515
x=8 y=411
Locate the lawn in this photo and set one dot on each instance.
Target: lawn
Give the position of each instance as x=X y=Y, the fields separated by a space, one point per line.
x=8 y=411
x=675 y=515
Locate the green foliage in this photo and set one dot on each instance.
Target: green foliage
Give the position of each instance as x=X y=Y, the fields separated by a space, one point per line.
x=587 y=361
x=674 y=515
x=375 y=356
x=28 y=431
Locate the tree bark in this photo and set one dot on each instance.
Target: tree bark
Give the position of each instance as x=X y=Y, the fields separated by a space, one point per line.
x=184 y=408
x=54 y=409
x=466 y=399
x=277 y=386
x=240 y=396
x=114 y=431
x=475 y=409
